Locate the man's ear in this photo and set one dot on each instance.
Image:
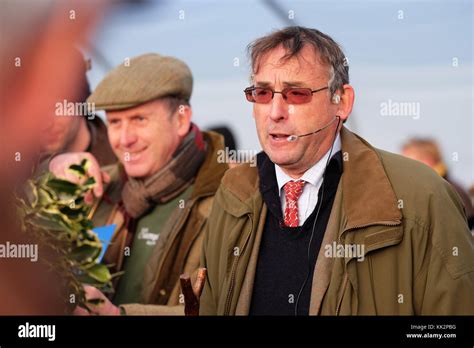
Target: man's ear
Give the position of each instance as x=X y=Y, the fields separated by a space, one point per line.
x=183 y=117
x=346 y=101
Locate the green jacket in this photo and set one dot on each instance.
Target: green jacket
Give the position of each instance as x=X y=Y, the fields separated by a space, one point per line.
x=419 y=254
x=179 y=247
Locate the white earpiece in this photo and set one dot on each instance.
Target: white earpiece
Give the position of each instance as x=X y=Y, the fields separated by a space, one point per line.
x=336 y=98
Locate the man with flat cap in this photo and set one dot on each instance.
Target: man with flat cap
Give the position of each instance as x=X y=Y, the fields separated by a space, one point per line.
x=160 y=193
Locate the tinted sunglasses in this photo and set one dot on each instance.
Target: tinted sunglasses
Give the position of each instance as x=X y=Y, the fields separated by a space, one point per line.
x=291 y=95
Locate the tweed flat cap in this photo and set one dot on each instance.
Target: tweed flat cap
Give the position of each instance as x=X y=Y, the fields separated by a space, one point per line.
x=145 y=78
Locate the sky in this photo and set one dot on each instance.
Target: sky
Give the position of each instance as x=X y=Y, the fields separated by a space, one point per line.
x=412 y=53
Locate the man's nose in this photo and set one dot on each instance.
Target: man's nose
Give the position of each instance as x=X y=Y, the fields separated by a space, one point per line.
x=279 y=108
x=128 y=136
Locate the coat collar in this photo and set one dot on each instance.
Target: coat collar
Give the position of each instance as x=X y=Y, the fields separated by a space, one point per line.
x=368 y=196
x=209 y=175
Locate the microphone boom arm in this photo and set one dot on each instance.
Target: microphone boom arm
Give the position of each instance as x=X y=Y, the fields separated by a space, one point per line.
x=295 y=137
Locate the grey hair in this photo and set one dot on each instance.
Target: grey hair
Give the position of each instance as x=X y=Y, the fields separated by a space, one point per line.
x=293 y=40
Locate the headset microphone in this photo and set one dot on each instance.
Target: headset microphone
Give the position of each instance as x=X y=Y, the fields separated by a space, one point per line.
x=294 y=137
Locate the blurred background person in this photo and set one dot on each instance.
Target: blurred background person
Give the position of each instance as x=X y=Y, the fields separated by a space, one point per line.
x=228 y=134
x=229 y=142
x=427 y=151
x=37 y=69
x=64 y=132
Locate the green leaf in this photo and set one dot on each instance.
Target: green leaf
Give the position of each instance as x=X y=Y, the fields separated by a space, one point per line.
x=44 y=197
x=86 y=164
x=71 y=213
x=85 y=253
x=65 y=198
x=84 y=278
x=61 y=185
x=89 y=183
x=99 y=272
x=52 y=210
x=31 y=193
x=79 y=202
x=47 y=224
x=92 y=243
x=77 y=169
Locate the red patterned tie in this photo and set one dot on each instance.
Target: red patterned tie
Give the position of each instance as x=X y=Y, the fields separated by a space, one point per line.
x=293 y=191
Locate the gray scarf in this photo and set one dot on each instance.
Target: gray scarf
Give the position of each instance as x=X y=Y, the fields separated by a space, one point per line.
x=140 y=195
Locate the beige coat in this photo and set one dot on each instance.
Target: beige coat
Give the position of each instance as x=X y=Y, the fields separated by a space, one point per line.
x=419 y=254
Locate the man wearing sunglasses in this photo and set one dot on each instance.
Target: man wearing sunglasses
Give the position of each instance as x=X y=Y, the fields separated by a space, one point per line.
x=327 y=224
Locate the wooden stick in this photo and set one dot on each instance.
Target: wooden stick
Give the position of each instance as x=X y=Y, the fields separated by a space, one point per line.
x=192 y=293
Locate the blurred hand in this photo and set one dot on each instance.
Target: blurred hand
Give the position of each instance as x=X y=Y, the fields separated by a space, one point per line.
x=103 y=308
x=59 y=166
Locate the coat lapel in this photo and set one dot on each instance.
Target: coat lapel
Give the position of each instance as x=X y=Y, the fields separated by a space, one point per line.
x=245 y=296
x=324 y=265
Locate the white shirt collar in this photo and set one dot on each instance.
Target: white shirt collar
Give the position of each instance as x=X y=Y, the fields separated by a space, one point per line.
x=313 y=175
